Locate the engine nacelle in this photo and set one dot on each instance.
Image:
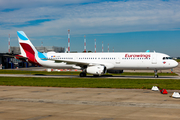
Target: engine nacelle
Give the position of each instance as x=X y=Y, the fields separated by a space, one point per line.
x=115 y=71
x=96 y=70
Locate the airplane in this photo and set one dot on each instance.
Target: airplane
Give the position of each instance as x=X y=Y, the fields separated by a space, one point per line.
x=96 y=64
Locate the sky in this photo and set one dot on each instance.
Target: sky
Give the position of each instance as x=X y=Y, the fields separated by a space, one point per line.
x=126 y=25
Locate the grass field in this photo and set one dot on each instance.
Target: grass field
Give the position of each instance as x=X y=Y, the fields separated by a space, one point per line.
x=178 y=60
x=91 y=82
x=77 y=73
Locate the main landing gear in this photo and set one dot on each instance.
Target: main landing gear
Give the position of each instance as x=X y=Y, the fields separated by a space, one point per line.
x=155 y=74
x=82 y=74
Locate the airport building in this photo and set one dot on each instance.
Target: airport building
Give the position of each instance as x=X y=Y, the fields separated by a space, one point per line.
x=9 y=62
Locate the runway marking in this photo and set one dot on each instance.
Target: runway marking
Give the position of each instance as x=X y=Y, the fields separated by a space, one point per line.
x=75 y=76
x=95 y=103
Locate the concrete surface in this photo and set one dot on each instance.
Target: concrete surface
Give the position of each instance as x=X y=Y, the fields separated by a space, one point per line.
x=47 y=103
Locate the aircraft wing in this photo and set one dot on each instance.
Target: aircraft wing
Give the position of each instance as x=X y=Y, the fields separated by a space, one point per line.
x=78 y=63
x=81 y=64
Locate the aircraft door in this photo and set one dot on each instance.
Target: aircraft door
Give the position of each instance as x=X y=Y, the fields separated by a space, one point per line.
x=75 y=58
x=117 y=60
x=154 y=58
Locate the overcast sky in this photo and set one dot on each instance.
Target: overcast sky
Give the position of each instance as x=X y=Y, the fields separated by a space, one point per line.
x=127 y=25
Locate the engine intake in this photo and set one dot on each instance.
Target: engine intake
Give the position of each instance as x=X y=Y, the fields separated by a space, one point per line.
x=96 y=70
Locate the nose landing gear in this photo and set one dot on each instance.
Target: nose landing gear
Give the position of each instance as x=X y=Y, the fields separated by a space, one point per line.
x=155 y=74
x=82 y=74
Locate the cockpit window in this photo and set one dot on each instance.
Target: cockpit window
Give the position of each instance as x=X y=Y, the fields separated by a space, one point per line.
x=166 y=58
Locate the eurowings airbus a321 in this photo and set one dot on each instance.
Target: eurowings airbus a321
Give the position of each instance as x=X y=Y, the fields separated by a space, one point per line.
x=95 y=63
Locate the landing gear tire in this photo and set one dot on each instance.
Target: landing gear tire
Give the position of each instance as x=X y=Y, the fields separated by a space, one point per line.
x=82 y=74
x=156 y=76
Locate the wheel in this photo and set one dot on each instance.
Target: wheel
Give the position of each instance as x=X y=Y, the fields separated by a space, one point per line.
x=156 y=76
x=82 y=74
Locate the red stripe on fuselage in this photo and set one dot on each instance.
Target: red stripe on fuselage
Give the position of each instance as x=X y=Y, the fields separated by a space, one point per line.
x=30 y=54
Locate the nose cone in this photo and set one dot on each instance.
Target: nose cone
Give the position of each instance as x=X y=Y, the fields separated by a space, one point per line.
x=175 y=64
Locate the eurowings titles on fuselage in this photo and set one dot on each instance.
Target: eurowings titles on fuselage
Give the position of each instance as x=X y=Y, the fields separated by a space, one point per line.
x=138 y=55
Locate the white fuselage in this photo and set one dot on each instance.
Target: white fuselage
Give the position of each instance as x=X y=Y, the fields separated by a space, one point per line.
x=112 y=61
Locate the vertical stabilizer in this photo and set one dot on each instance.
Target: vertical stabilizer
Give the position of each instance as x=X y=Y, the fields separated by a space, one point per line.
x=26 y=47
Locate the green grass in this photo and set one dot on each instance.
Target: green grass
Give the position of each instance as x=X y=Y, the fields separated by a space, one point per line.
x=91 y=82
x=178 y=60
x=77 y=73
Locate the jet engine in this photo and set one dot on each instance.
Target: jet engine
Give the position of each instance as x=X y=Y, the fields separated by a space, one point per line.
x=96 y=70
x=115 y=71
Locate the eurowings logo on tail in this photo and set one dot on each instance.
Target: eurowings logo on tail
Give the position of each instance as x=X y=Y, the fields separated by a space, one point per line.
x=28 y=50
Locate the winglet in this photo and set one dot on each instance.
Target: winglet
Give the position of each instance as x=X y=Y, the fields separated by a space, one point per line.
x=147 y=51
